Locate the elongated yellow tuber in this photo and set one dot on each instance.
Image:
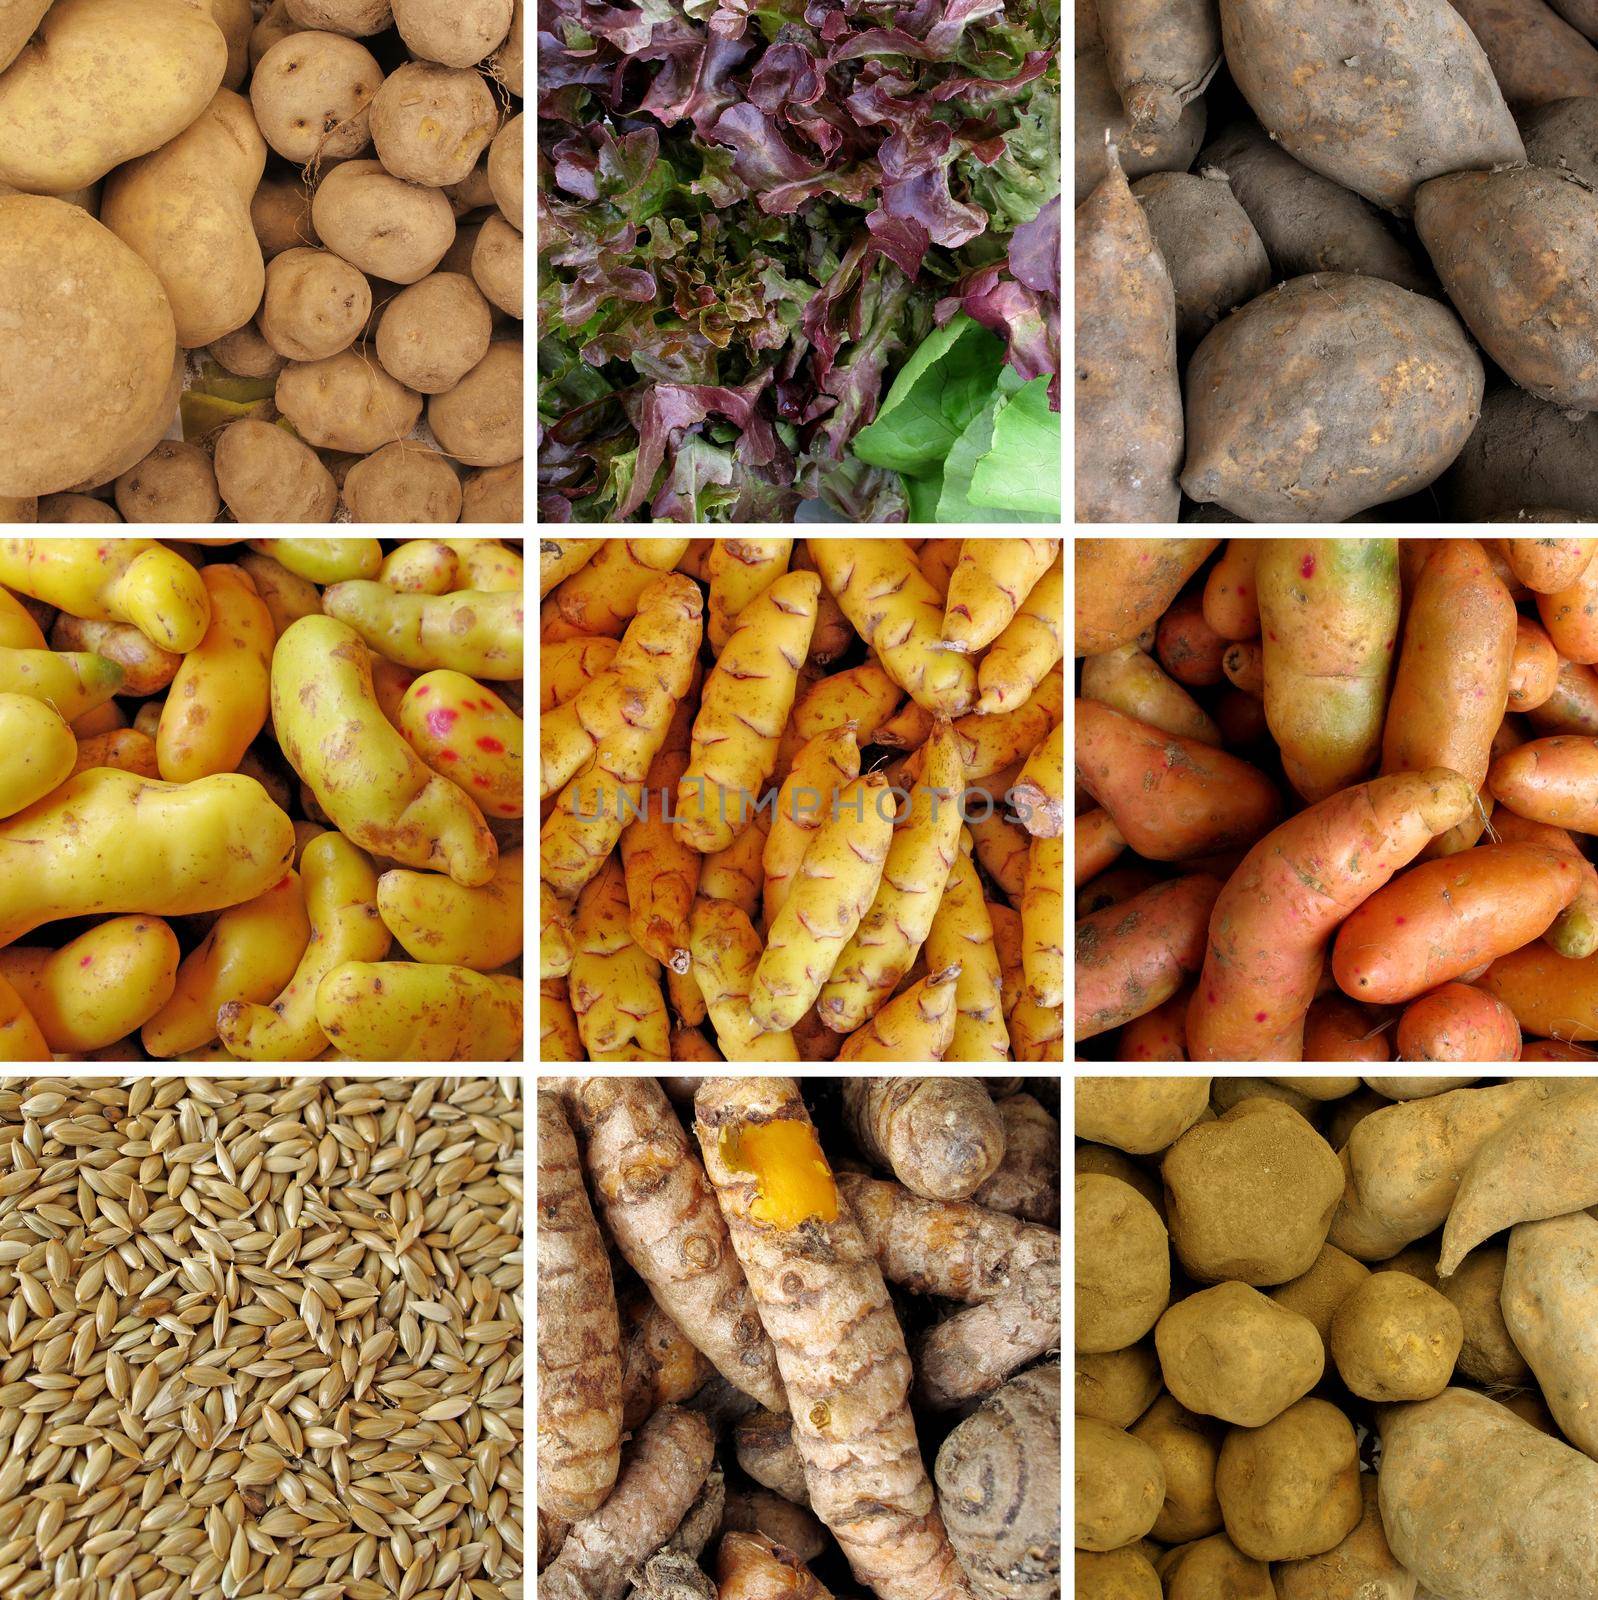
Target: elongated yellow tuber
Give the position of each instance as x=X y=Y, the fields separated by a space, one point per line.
x=881 y=590
x=988 y=585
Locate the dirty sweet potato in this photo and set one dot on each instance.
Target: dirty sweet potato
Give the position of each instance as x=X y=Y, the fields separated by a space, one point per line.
x=1100 y=115
x=1525 y=452
x=1307 y=222
x=1378 y=98
x=1161 y=54
x=1128 y=397
x=1517 y=252
x=1535 y=54
x=1331 y=394
x=1214 y=256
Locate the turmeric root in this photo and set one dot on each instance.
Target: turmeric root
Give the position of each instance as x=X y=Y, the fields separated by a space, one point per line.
x=990 y=581
x=661 y=1212
x=749 y=1566
x=962 y=1251
x=659 y=1365
x=761 y=1511
x=579 y=1359
x=743 y=711
x=666 y=1466
x=836 y=883
x=1027 y=1182
x=765 y=1450
x=881 y=590
x=997 y=1477
x=839 y=1347
x=941 y=1137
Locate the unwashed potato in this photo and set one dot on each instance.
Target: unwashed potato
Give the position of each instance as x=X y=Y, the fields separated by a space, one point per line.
x=185 y=209
x=479 y=421
x=497 y=264
x=381 y=224
x=493 y=494
x=434 y=332
x=346 y=402
x=1394 y=1339
x=431 y=123
x=102 y=81
x=1117 y=1386
x=456 y=33
x=18 y=19
x=1139 y=1115
x=1123 y=1257
x=75 y=508
x=236 y=19
x=316 y=304
x=23 y=509
x=247 y=355
x=276 y=24
x=507 y=62
x=473 y=193
x=312 y=95
x=403 y=482
x=265 y=474
x=174 y=483
x=358 y=18
x=505 y=170
x=281 y=215
x=87 y=347
x=458 y=258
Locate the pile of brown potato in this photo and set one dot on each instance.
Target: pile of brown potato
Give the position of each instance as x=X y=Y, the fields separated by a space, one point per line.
x=296 y=225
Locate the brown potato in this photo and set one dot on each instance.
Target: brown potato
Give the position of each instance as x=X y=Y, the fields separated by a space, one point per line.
x=473 y=193
x=246 y=354
x=455 y=33
x=312 y=94
x=88 y=349
x=265 y=474
x=507 y=62
x=75 y=508
x=493 y=494
x=236 y=19
x=431 y=123
x=316 y=304
x=381 y=224
x=17 y=22
x=185 y=209
x=434 y=332
x=403 y=482
x=346 y=402
x=497 y=264
x=505 y=170
x=479 y=421
x=357 y=18
x=281 y=215
x=174 y=483
x=275 y=25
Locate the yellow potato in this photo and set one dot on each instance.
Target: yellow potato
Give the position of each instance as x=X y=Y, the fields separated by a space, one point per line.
x=113 y=580
x=340 y=892
x=363 y=774
x=106 y=841
x=99 y=988
x=467 y=734
x=323 y=560
x=37 y=751
x=219 y=699
x=126 y=749
x=440 y=923
x=249 y=954
x=469 y=631
x=400 y=1011
x=20 y=1039
x=71 y=685
x=486 y=564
